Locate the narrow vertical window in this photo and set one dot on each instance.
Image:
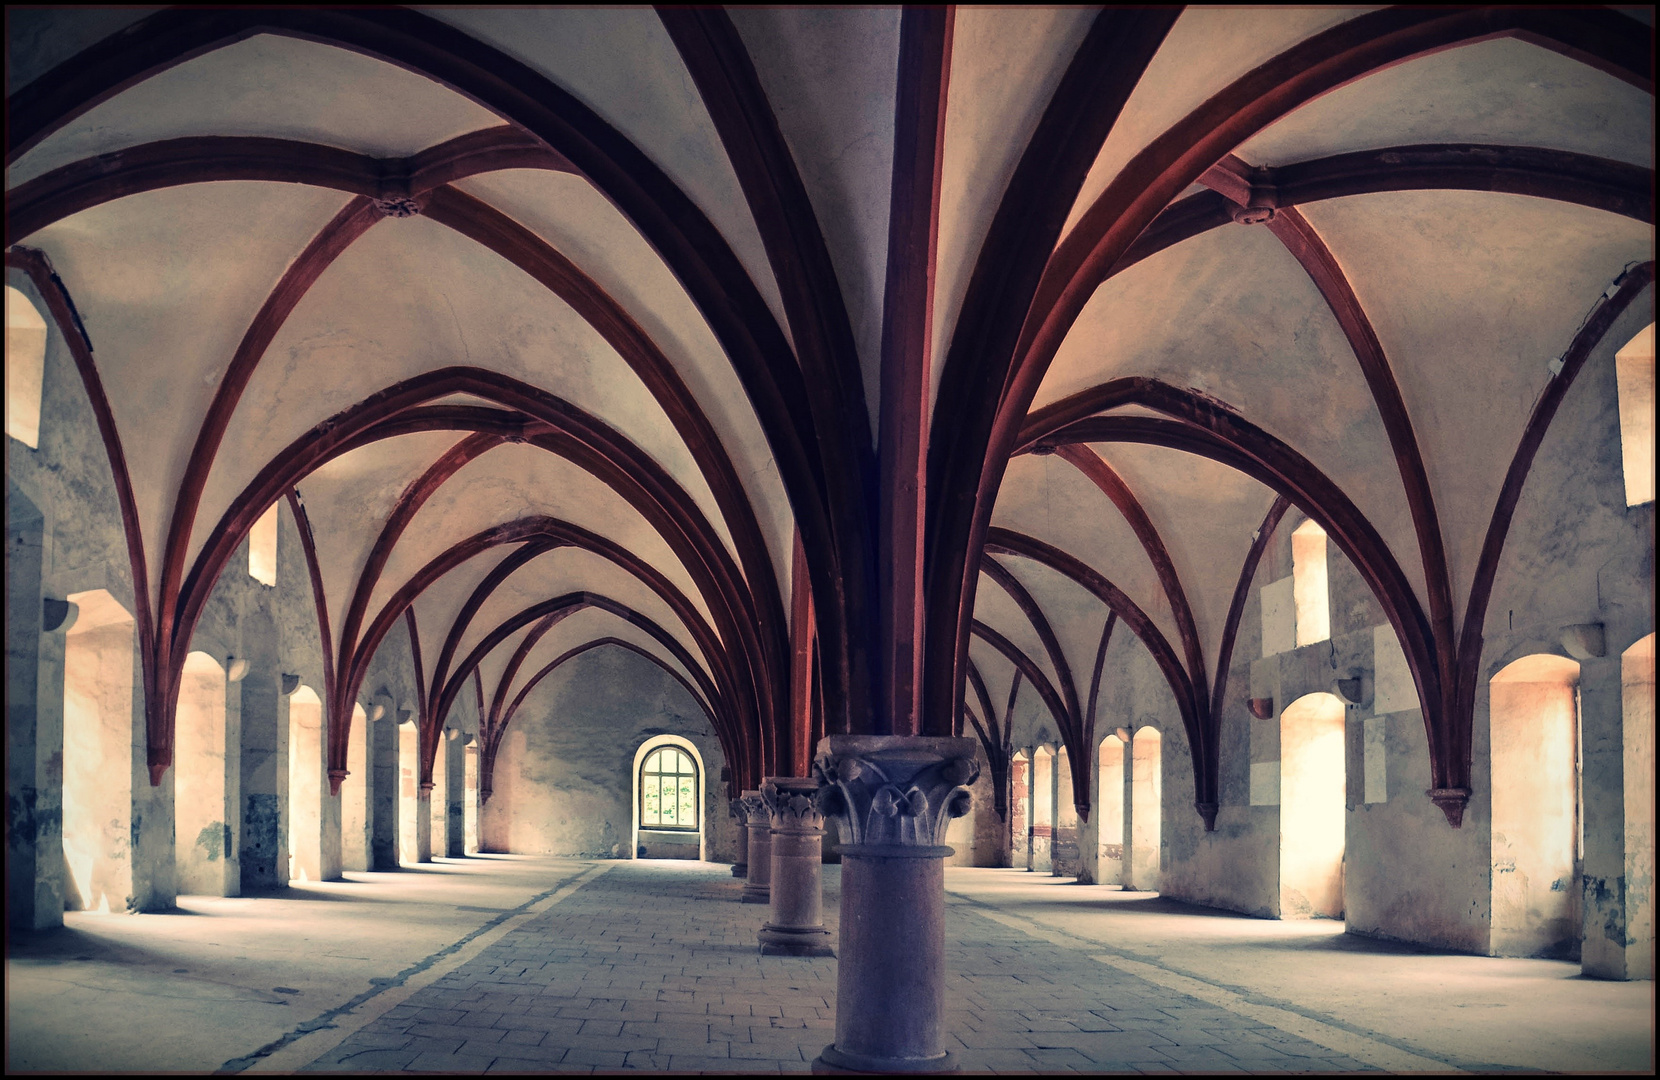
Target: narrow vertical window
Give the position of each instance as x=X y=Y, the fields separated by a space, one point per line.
x=1634 y=366
x=262 y=548
x=669 y=790
x=1308 y=583
x=26 y=368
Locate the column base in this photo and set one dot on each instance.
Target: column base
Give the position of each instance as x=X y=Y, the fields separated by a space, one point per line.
x=757 y=894
x=795 y=941
x=740 y=869
x=833 y=1061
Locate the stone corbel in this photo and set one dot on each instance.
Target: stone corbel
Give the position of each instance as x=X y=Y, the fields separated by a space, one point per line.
x=1452 y=802
x=886 y=792
x=1585 y=641
x=58 y=616
x=1353 y=689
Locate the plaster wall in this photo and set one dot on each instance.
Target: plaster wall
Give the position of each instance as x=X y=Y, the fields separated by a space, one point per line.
x=563 y=781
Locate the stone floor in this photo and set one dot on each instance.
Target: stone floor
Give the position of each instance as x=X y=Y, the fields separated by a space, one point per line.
x=558 y=965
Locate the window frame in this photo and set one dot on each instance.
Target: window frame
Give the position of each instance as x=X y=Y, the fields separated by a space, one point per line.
x=647 y=772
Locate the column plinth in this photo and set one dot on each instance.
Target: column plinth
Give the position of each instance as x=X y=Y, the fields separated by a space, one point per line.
x=891 y=798
x=758 y=889
x=740 y=869
x=797 y=924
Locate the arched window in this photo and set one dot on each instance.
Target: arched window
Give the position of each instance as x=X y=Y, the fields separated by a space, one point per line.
x=1308 y=584
x=1634 y=368
x=669 y=790
x=262 y=548
x=25 y=368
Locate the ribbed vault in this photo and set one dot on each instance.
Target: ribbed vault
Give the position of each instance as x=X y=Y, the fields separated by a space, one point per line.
x=998 y=332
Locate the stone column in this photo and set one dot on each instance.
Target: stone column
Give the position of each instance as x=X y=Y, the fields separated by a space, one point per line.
x=740 y=869
x=891 y=798
x=797 y=924
x=758 y=889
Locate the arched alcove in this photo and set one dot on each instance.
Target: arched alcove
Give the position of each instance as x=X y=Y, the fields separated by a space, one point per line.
x=1634 y=368
x=409 y=802
x=98 y=754
x=25 y=368
x=1043 y=810
x=305 y=785
x=657 y=774
x=1146 y=808
x=1020 y=811
x=355 y=794
x=202 y=834
x=1637 y=722
x=1313 y=790
x=1109 y=811
x=1534 y=736
x=1309 y=589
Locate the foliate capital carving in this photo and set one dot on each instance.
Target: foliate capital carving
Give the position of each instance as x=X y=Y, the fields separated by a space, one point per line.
x=736 y=809
x=894 y=790
x=754 y=809
x=791 y=802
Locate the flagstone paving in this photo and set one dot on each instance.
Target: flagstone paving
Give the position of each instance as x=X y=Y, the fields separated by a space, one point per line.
x=646 y=967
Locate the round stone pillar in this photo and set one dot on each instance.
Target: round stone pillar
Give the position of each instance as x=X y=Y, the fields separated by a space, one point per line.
x=741 y=867
x=797 y=924
x=758 y=889
x=891 y=798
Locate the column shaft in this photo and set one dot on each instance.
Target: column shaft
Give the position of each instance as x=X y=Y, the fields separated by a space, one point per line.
x=892 y=798
x=797 y=924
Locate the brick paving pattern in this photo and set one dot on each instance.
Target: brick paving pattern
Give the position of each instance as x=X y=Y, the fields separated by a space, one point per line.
x=647 y=968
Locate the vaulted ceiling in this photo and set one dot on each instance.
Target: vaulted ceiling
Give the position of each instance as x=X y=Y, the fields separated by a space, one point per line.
x=525 y=310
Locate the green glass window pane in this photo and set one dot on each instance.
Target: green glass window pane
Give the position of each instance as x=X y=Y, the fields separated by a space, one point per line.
x=687 y=809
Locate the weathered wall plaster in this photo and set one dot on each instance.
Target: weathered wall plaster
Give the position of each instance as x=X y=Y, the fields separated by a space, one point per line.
x=563 y=780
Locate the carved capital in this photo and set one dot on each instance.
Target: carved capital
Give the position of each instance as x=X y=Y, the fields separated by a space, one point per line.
x=754 y=809
x=736 y=809
x=894 y=790
x=790 y=801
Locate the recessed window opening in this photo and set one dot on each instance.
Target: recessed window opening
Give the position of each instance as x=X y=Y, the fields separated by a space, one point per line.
x=98 y=754
x=1308 y=583
x=1109 y=810
x=668 y=799
x=469 y=800
x=1637 y=694
x=409 y=803
x=201 y=836
x=1313 y=790
x=1020 y=811
x=1043 y=809
x=262 y=548
x=305 y=785
x=1634 y=368
x=355 y=842
x=1535 y=873
x=25 y=368
x=440 y=796
x=1146 y=808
